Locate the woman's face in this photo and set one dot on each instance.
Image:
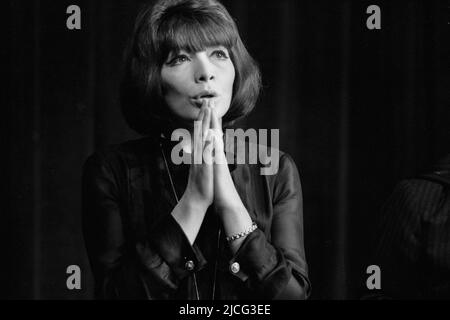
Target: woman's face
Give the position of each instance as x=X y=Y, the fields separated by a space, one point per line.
x=190 y=78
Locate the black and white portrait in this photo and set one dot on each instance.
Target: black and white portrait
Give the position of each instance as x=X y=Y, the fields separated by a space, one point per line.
x=226 y=150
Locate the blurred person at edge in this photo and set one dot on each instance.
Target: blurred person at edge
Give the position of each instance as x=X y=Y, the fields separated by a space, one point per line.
x=413 y=240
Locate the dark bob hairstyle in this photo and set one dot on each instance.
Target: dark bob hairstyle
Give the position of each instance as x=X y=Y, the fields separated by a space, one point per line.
x=172 y=25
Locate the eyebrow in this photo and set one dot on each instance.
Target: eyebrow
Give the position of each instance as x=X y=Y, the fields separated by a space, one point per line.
x=175 y=52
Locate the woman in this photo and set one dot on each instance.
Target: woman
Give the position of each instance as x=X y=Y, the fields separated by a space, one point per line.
x=209 y=230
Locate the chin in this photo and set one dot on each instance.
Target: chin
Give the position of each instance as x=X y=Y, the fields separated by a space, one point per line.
x=221 y=111
x=190 y=114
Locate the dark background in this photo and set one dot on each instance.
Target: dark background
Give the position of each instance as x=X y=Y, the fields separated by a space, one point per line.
x=357 y=109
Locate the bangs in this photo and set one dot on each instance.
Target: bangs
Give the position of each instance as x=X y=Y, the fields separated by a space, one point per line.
x=193 y=33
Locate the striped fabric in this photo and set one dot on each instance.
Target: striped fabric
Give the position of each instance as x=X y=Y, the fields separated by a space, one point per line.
x=414 y=240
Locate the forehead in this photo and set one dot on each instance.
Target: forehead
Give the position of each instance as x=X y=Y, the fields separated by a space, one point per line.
x=195 y=34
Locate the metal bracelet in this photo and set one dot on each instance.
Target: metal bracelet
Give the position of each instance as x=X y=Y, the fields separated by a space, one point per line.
x=243 y=233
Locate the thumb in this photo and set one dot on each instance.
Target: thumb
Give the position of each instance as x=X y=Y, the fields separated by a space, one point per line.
x=208 y=150
x=219 y=155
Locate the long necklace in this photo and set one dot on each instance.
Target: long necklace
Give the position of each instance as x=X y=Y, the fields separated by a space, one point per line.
x=218 y=232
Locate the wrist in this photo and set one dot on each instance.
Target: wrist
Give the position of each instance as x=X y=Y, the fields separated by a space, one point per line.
x=230 y=208
x=194 y=203
x=244 y=233
x=220 y=157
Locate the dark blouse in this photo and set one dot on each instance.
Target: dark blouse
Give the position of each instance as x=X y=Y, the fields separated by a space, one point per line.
x=137 y=250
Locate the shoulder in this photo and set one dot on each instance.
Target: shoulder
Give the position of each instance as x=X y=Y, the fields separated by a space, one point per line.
x=418 y=189
x=414 y=186
x=278 y=165
x=415 y=195
x=427 y=185
x=287 y=170
x=265 y=160
x=131 y=150
x=111 y=164
x=287 y=163
x=278 y=169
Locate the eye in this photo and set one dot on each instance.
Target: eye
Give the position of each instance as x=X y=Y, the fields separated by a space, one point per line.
x=220 y=54
x=178 y=59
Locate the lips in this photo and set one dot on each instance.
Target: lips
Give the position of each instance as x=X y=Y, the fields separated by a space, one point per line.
x=199 y=98
x=205 y=94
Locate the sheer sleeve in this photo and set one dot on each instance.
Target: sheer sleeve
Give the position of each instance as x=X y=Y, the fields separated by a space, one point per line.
x=278 y=269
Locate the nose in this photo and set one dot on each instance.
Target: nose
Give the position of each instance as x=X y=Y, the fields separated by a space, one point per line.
x=204 y=69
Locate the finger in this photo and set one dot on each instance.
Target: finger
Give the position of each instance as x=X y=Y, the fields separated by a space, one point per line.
x=218 y=154
x=198 y=135
x=208 y=150
x=201 y=114
x=215 y=124
x=214 y=152
x=206 y=123
x=198 y=143
x=198 y=138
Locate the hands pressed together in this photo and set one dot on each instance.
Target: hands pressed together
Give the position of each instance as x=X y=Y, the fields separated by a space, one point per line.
x=210 y=183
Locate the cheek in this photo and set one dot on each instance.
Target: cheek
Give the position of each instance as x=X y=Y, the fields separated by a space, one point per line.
x=228 y=86
x=229 y=79
x=171 y=86
x=173 y=83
